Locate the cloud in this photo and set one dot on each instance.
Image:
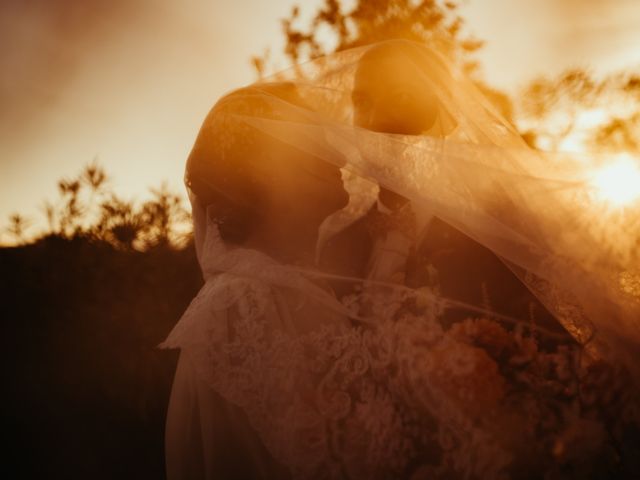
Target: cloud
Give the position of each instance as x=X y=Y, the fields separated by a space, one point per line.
x=44 y=44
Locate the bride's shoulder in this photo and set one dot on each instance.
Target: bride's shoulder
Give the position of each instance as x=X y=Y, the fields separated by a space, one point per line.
x=223 y=296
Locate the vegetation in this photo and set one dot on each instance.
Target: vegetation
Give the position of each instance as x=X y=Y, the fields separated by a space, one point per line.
x=577 y=110
x=335 y=27
x=428 y=21
x=84 y=306
x=87 y=301
x=88 y=208
x=573 y=110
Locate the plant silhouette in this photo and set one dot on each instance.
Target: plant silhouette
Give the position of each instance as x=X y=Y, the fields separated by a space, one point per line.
x=88 y=207
x=601 y=114
x=86 y=301
x=335 y=27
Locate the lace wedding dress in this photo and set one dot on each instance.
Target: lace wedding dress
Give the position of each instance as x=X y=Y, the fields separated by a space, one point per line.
x=330 y=392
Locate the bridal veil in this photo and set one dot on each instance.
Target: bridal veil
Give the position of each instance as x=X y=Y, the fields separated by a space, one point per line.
x=333 y=390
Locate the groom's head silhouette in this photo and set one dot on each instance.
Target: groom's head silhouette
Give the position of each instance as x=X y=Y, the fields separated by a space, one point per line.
x=396 y=90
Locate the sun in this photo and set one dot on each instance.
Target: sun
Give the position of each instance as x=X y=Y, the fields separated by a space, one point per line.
x=619 y=182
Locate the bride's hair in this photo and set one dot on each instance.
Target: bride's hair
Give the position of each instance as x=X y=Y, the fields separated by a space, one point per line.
x=227 y=168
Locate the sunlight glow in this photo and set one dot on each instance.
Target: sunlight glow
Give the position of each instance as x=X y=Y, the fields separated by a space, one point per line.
x=592 y=117
x=619 y=182
x=584 y=122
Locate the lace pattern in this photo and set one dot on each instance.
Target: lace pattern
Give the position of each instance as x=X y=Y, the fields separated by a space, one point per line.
x=335 y=390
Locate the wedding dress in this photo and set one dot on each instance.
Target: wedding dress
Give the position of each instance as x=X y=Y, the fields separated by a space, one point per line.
x=348 y=370
x=329 y=394
x=249 y=322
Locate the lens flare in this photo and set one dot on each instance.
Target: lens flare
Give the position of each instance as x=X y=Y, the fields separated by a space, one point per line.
x=619 y=182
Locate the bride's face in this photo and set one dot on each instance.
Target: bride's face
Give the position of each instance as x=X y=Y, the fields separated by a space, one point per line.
x=389 y=95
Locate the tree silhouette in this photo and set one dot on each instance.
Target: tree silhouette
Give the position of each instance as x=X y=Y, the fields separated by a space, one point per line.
x=428 y=21
x=597 y=114
x=433 y=22
x=88 y=208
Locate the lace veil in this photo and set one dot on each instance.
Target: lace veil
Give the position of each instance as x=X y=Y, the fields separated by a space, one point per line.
x=539 y=213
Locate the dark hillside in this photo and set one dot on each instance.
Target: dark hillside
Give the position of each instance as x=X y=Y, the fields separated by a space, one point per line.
x=85 y=388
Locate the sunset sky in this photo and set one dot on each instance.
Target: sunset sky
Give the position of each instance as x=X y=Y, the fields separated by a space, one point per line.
x=129 y=81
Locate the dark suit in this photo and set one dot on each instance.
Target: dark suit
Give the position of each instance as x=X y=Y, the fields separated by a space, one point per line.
x=467 y=271
x=471 y=273
x=348 y=252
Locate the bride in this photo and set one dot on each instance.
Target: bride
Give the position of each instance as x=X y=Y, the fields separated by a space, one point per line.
x=393 y=332
x=257 y=206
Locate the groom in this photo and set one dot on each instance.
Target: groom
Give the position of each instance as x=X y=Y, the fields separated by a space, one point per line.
x=388 y=97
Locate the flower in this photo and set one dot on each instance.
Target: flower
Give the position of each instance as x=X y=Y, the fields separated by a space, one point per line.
x=465 y=376
x=486 y=334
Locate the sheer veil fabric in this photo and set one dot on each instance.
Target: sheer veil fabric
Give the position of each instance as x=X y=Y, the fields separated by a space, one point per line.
x=321 y=370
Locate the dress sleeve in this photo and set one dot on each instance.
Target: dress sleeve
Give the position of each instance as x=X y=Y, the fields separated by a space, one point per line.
x=209 y=438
